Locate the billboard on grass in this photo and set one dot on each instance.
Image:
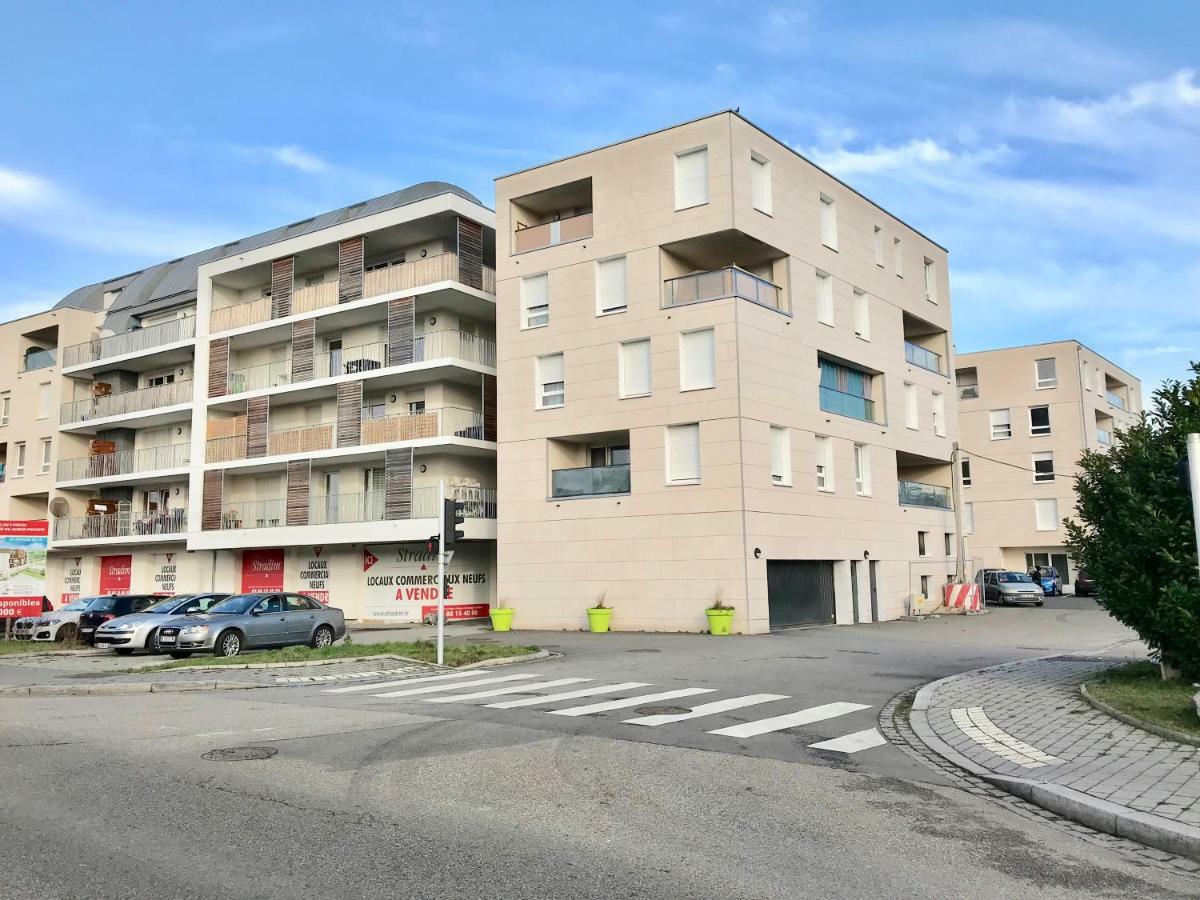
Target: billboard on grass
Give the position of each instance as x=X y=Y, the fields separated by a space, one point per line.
x=22 y=566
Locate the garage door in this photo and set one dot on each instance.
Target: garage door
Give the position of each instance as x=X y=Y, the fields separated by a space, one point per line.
x=800 y=592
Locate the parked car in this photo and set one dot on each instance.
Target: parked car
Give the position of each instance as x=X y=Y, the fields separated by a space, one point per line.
x=982 y=574
x=1049 y=580
x=63 y=623
x=252 y=621
x=1004 y=588
x=101 y=609
x=1084 y=586
x=139 y=631
x=21 y=629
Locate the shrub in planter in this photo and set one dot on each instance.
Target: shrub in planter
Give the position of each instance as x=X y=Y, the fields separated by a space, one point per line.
x=599 y=616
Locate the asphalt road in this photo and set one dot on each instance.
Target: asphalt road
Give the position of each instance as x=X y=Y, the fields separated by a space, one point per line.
x=395 y=797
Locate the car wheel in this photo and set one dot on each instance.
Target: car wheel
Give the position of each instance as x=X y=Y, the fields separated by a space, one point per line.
x=151 y=645
x=228 y=643
x=67 y=634
x=1040 y=603
x=123 y=651
x=178 y=655
x=322 y=637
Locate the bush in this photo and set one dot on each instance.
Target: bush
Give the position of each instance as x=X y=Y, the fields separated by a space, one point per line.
x=1135 y=535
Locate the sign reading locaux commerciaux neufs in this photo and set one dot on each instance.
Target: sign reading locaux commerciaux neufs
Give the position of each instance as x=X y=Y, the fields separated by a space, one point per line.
x=401 y=583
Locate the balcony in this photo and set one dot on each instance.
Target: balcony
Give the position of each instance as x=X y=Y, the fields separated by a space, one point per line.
x=932 y=496
x=257 y=378
x=968 y=392
x=718 y=284
x=1104 y=437
x=127 y=402
x=124 y=462
x=126 y=524
x=129 y=342
x=846 y=404
x=341 y=509
x=550 y=234
x=39 y=359
x=1115 y=399
x=925 y=359
x=589 y=481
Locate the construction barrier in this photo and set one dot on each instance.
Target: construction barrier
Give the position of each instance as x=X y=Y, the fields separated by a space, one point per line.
x=966 y=597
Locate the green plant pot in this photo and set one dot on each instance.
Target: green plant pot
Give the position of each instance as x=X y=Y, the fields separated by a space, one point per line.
x=501 y=619
x=598 y=619
x=720 y=621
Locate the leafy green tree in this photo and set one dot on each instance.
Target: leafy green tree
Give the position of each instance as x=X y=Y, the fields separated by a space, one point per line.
x=1135 y=532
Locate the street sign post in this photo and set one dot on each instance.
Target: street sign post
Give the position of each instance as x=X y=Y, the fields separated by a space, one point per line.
x=441 y=599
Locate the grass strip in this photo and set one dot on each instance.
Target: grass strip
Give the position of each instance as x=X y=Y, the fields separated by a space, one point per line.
x=1138 y=690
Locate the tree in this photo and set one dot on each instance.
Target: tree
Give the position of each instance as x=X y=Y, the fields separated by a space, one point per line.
x=1135 y=532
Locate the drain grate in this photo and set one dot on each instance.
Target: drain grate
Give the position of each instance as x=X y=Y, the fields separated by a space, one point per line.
x=661 y=710
x=645 y=650
x=240 y=754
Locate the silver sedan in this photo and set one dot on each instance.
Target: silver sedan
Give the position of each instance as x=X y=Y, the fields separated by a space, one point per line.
x=252 y=621
x=138 y=631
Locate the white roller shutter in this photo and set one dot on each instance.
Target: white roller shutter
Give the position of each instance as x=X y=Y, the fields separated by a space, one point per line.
x=611 y=290
x=535 y=300
x=683 y=452
x=635 y=368
x=691 y=178
x=698 y=362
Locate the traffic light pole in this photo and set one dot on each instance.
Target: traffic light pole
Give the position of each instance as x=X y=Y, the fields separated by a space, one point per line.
x=441 y=606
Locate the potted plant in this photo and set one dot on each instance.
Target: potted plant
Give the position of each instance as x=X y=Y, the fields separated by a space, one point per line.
x=599 y=615
x=501 y=616
x=720 y=616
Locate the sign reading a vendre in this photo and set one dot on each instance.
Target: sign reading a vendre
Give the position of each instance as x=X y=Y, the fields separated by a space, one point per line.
x=401 y=583
x=22 y=566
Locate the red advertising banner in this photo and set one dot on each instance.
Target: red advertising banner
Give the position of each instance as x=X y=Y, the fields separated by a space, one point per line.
x=457 y=611
x=24 y=527
x=262 y=570
x=17 y=607
x=116 y=574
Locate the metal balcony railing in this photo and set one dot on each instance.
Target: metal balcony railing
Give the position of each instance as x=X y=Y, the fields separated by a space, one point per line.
x=917 y=493
x=130 y=342
x=124 y=462
x=128 y=402
x=925 y=359
x=256 y=378
x=550 y=234
x=38 y=359
x=718 y=284
x=340 y=509
x=119 y=525
x=255 y=514
x=589 y=481
x=844 y=404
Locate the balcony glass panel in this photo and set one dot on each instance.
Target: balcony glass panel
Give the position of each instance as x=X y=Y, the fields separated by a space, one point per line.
x=968 y=392
x=1116 y=400
x=925 y=359
x=549 y=234
x=255 y=514
x=1104 y=436
x=39 y=359
x=590 y=481
x=257 y=378
x=130 y=342
x=124 y=462
x=719 y=284
x=334 y=509
x=916 y=493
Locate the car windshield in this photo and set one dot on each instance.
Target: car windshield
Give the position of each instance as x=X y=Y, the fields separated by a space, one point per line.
x=166 y=605
x=237 y=605
x=102 y=604
x=1049 y=572
x=1014 y=578
x=74 y=606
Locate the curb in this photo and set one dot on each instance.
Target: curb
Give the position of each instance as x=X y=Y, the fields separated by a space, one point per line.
x=1160 y=730
x=308 y=664
x=1100 y=815
x=508 y=660
x=118 y=689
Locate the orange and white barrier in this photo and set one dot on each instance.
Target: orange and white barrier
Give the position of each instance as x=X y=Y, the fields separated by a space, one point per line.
x=966 y=597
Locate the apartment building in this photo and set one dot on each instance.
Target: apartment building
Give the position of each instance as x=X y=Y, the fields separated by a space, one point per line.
x=724 y=374
x=278 y=413
x=1026 y=414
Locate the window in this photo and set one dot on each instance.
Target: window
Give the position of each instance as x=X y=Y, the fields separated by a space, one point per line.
x=535 y=301
x=878 y=246
x=760 y=183
x=824 y=454
x=551 y=388
x=1046 y=512
x=898 y=256
x=691 y=178
x=939 y=414
x=1046 y=372
x=416 y=408
x=828 y=222
x=374 y=409
x=930 y=281
x=862 y=470
x=925 y=586
x=20 y=459
x=43 y=409
x=968 y=518
x=862 y=314
x=781 y=455
x=912 y=415
x=824 y=298
x=1001 y=424
x=922 y=543
x=846 y=391
x=683 y=453
x=1039 y=420
x=160 y=379
x=5 y=407
x=967 y=382
x=697 y=360
x=46 y=445
x=611 y=285
x=633 y=365
x=1043 y=467
x=949 y=543
x=965 y=465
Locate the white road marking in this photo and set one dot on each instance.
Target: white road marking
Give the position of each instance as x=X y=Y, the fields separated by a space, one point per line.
x=439 y=688
x=706 y=709
x=975 y=724
x=511 y=689
x=629 y=701
x=791 y=720
x=569 y=695
x=852 y=743
x=388 y=684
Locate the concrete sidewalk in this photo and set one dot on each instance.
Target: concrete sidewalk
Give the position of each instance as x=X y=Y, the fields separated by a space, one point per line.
x=1023 y=726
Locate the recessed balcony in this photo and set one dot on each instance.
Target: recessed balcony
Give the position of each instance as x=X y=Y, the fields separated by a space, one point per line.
x=105 y=406
x=557 y=215
x=135 y=341
x=124 y=462
x=718 y=284
x=925 y=345
x=924 y=358
x=589 y=481
x=118 y=525
x=343 y=509
x=917 y=493
x=38 y=358
x=721 y=265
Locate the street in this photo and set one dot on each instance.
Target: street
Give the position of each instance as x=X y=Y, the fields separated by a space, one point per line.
x=450 y=790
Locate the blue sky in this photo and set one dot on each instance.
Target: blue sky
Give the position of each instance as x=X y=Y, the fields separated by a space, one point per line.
x=1053 y=148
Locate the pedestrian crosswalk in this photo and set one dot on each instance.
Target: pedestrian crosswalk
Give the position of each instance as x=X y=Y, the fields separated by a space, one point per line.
x=480 y=686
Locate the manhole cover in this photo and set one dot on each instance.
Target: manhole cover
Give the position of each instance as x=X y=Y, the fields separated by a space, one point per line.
x=240 y=754
x=645 y=650
x=661 y=710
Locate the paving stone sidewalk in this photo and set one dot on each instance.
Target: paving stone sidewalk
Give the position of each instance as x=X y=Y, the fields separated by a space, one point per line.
x=1027 y=723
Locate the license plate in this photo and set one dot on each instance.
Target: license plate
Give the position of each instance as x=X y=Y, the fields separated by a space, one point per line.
x=101 y=643
x=166 y=639
x=86 y=630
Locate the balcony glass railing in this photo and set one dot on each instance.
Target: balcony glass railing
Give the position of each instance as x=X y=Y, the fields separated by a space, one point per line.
x=124 y=462
x=257 y=378
x=1115 y=399
x=925 y=359
x=589 y=481
x=255 y=514
x=549 y=234
x=334 y=509
x=128 y=402
x=719 y=284
x=1103 y=436
x=917 y=493
x=130 y=342
x=120 y=525
x=844 y=404
x=39 y=359
x=968 y=392
x=340 y=509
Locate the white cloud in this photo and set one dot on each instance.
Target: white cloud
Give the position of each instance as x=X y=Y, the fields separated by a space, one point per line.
x=288 y=155
x=23 y=190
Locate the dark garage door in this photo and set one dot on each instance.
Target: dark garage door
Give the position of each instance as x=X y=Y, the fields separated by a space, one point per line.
x=800 y=592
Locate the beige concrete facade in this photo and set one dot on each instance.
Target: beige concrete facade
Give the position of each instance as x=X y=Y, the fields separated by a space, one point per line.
x=662 y=549
x=1055 y=411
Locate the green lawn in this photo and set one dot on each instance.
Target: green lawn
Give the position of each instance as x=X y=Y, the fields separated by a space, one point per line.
x=15 y=648
x=425 y=651
x=1139 y=691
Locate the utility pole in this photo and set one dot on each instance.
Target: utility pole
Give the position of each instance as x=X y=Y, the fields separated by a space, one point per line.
x=1193 y=450
x=441 y=606
x=960 y=542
